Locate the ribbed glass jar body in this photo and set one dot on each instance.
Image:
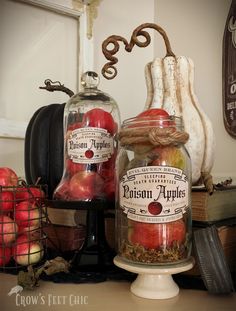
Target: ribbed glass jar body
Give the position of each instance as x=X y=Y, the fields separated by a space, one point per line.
x=153 y=205
x=91 y=123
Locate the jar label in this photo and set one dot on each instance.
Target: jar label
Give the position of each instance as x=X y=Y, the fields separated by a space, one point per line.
x=154 y=194
x=90 y=145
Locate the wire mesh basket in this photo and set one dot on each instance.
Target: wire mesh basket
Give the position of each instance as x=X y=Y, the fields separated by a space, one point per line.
x=22 y=220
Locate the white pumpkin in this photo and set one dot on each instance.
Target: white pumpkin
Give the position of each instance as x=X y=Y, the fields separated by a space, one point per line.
x=170 y=85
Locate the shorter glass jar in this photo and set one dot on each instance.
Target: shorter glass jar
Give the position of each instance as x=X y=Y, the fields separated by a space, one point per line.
x=153 y=210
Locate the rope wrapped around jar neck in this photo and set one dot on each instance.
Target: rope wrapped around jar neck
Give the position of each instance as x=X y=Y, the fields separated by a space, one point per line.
x=154 y=135
x=157 y=136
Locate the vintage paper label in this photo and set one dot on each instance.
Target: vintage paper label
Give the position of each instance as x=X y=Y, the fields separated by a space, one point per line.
x=90 y=145
x=154 y=194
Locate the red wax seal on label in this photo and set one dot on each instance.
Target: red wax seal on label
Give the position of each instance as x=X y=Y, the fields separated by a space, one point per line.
x=154 y=208
x=89 y=154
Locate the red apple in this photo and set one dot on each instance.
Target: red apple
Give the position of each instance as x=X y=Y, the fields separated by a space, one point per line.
x=72 y=167
x=62 y=191
x=155 y=117
x=154 y=236
x=6 y=201
x=8 y=230
x=109 y=189
x=86 y=185
x=8 y=177
x=110 y=163
x=31 y=194
x=5 y=256
x=168 y=155
x=104 y=172
x=153 y=112
x=98 y=117
x=27 y=215
x=74 y=126
x=26 y=252
x=107 y=169
x=109 y=179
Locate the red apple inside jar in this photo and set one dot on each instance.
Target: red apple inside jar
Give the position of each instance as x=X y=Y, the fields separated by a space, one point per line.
x=86 y=185
x=91 y=123
x=154 y=236
x=154 y=182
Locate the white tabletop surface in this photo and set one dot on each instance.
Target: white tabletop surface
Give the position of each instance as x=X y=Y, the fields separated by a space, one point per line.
x=114 y=296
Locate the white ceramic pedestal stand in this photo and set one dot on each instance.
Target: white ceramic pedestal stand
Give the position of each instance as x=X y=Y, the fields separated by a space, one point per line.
x=154 y=282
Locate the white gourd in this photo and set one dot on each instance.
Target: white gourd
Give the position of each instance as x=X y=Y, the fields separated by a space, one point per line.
x=170 y=85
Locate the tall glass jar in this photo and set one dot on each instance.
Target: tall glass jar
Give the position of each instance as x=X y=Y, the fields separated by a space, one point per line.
x=153 y=212
x=91 y=123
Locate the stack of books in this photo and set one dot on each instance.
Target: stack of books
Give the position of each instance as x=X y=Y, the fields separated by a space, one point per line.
x=218 y=206
x=217 y=210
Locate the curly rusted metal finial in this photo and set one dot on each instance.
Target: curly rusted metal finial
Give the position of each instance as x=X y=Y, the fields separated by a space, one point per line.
x=109 y=71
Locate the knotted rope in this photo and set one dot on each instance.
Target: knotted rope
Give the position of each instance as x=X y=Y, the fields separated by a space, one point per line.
x=157 y=136
x=153 y=135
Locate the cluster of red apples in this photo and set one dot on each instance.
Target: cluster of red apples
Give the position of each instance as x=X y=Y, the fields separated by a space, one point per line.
x=20 y=220
x=85 y=182
x=158 y=235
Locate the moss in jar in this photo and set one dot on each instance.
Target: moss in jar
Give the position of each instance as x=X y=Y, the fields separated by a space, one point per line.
x=138 y=253
x=155 y=243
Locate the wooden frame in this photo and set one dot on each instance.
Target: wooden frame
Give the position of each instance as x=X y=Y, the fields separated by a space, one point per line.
x=16 y=129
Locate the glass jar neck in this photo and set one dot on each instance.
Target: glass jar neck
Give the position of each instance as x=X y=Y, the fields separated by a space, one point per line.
x=154 y=121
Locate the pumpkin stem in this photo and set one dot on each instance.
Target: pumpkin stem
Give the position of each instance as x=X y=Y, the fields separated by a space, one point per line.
x=109 y=71
x=56 y=86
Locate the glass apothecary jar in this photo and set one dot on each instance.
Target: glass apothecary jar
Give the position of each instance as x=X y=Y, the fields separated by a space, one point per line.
x=153 y=210
x=91 y=123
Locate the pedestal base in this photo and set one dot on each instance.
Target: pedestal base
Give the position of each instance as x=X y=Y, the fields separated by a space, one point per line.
x=154 y=282
x=95 y=254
